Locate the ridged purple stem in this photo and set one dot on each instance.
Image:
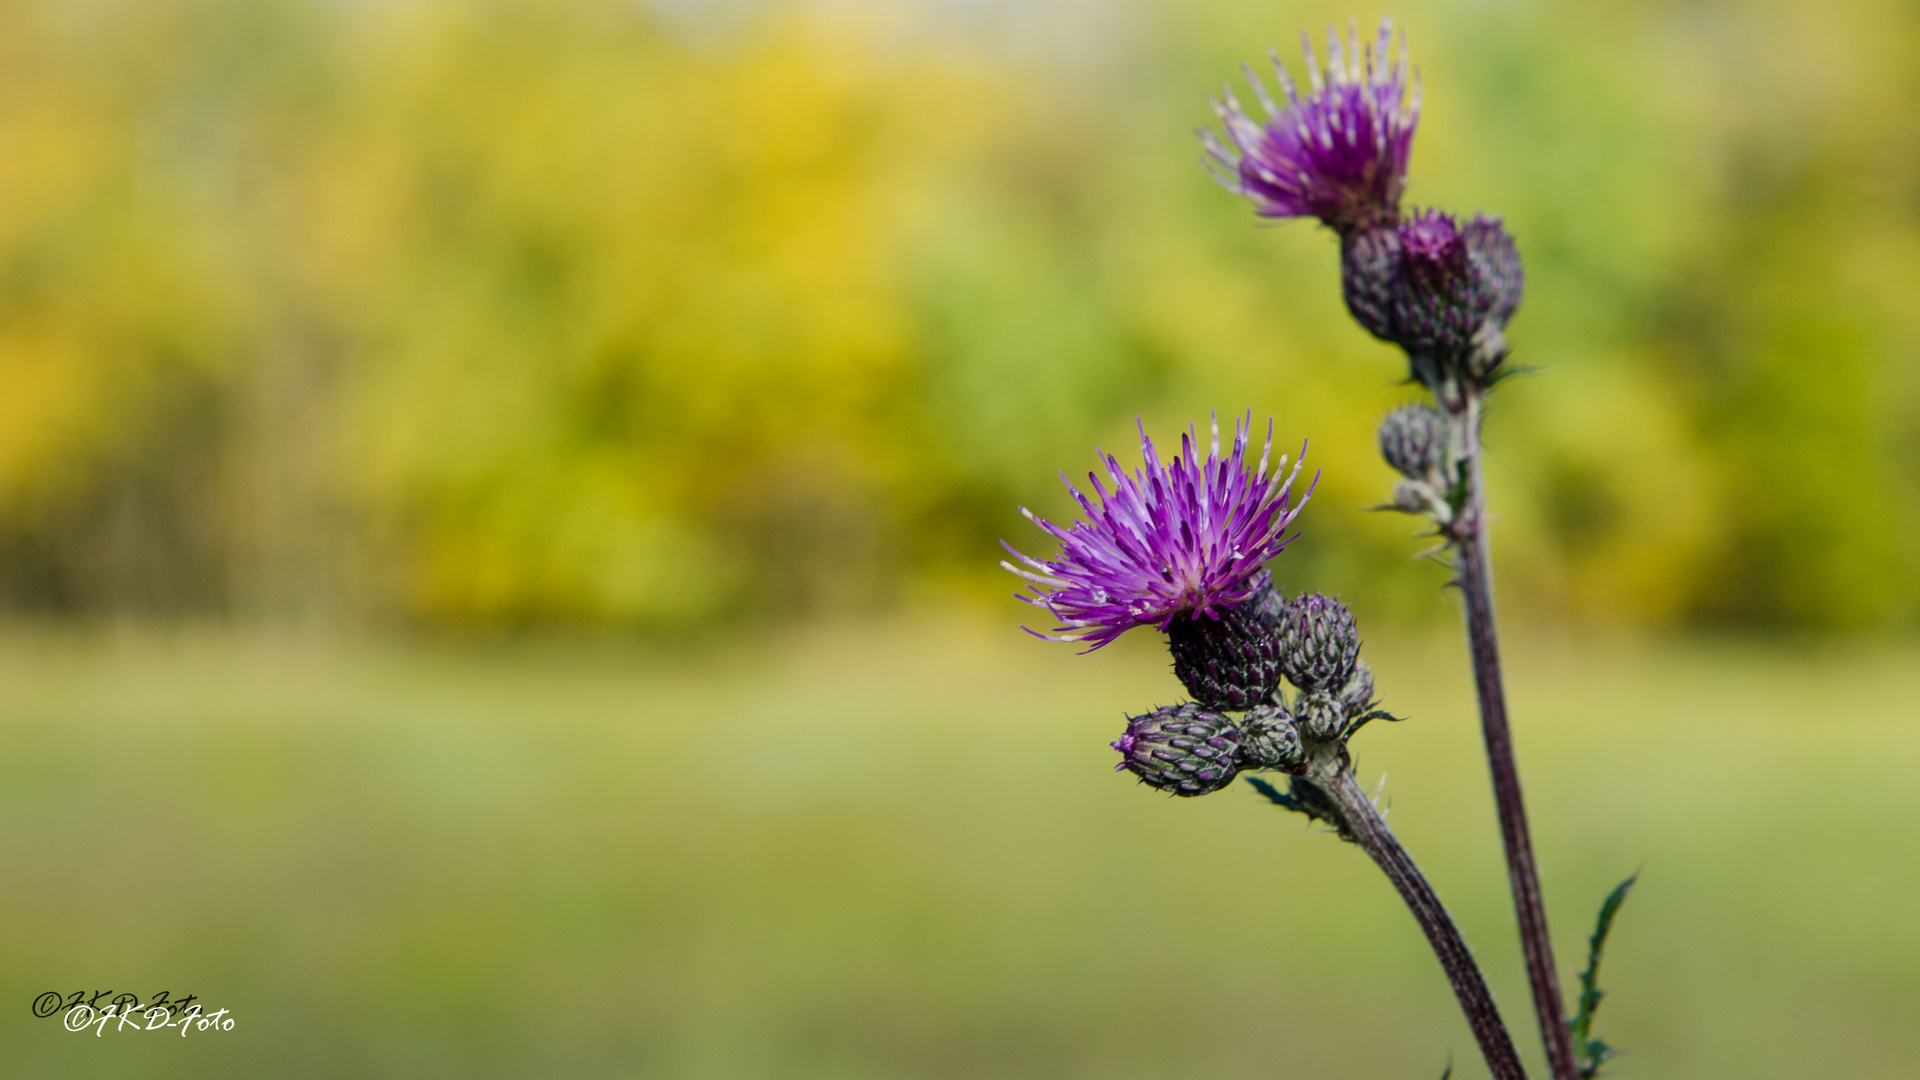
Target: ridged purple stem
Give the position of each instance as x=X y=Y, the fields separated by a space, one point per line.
x=1476 y=588
x=1483 y=1016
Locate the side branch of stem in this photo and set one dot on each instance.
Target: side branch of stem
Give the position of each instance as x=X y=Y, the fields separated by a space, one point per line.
x=1366 y=828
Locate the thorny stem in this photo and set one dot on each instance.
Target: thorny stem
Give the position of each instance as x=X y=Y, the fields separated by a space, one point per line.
x=1469 y=534
x=1364 y=827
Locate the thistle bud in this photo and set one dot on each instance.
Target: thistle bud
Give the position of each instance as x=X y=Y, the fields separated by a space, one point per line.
x=1320 y=716
x=1413 y=439
x=1496 y=264
x=1232 y=662
x=1417 y=497
x=1357 y=697
x=1181 y=749
x=1268 y=739
x=1441 y=291
x=1320 y=645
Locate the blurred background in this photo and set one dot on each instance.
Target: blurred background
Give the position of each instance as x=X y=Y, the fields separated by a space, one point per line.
x=499 y=507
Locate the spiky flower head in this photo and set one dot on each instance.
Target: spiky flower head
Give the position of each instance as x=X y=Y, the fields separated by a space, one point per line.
x=1181 y=749
x=1184 y=538
x=1233 y=661
x=1269 y=739
x=1340 y=153
x=1442 y=291
x=1320 y=645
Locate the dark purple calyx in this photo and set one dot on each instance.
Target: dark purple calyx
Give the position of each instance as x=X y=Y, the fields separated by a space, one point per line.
x=1231 y=660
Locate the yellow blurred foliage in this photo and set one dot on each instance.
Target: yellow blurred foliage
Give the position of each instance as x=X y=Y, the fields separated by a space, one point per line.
x=511 y=312
x=626 y=289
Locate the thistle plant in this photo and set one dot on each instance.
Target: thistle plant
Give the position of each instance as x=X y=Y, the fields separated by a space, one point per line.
x=1279 y=685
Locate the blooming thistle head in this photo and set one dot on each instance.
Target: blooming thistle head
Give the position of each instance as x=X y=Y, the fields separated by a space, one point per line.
x=1339 y=154
x=1184 y=537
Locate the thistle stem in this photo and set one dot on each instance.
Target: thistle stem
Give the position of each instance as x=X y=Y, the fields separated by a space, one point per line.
x=1476 y=587
x=1366 y=828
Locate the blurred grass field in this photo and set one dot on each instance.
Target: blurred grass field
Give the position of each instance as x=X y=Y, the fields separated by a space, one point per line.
x=898 y=850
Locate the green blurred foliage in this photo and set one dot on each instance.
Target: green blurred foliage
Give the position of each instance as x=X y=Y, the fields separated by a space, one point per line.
x=584 y=311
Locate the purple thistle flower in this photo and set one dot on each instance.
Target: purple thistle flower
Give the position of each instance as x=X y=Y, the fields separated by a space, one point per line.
x=1341 y=153
x=1184 y=537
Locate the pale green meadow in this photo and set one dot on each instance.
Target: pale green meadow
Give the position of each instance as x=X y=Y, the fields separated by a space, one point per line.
x=899 y=850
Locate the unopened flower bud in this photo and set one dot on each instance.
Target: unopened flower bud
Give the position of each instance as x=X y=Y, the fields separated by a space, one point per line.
x=1181 y=749
x=1496 y=266
x=1357 y=697
x=1439 y=290
x=1320 y=644
x=1320 y=716
x=1413 y=440
x=1233 y=661
x=1414 y=497
x=1268 y=739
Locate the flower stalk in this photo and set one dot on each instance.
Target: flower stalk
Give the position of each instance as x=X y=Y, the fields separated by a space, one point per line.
x=1362 y=824
x=1443 y=289
x=1468 y=532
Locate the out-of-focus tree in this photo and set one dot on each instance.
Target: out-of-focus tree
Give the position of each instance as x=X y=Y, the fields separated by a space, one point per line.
x=635 y=344
x=514 y=311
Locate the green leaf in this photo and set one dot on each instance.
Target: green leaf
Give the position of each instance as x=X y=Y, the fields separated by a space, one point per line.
x=1593 y=1052
x=1302 y=797
x=1377 y=714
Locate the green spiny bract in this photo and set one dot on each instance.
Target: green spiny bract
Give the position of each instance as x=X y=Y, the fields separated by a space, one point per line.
x=1269 y=739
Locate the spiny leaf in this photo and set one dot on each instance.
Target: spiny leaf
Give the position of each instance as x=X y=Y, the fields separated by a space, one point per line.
x=1277 y=797
x=1377 y=714
x=1595 y=1052
x=1302 y=797
x=1511 y=371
